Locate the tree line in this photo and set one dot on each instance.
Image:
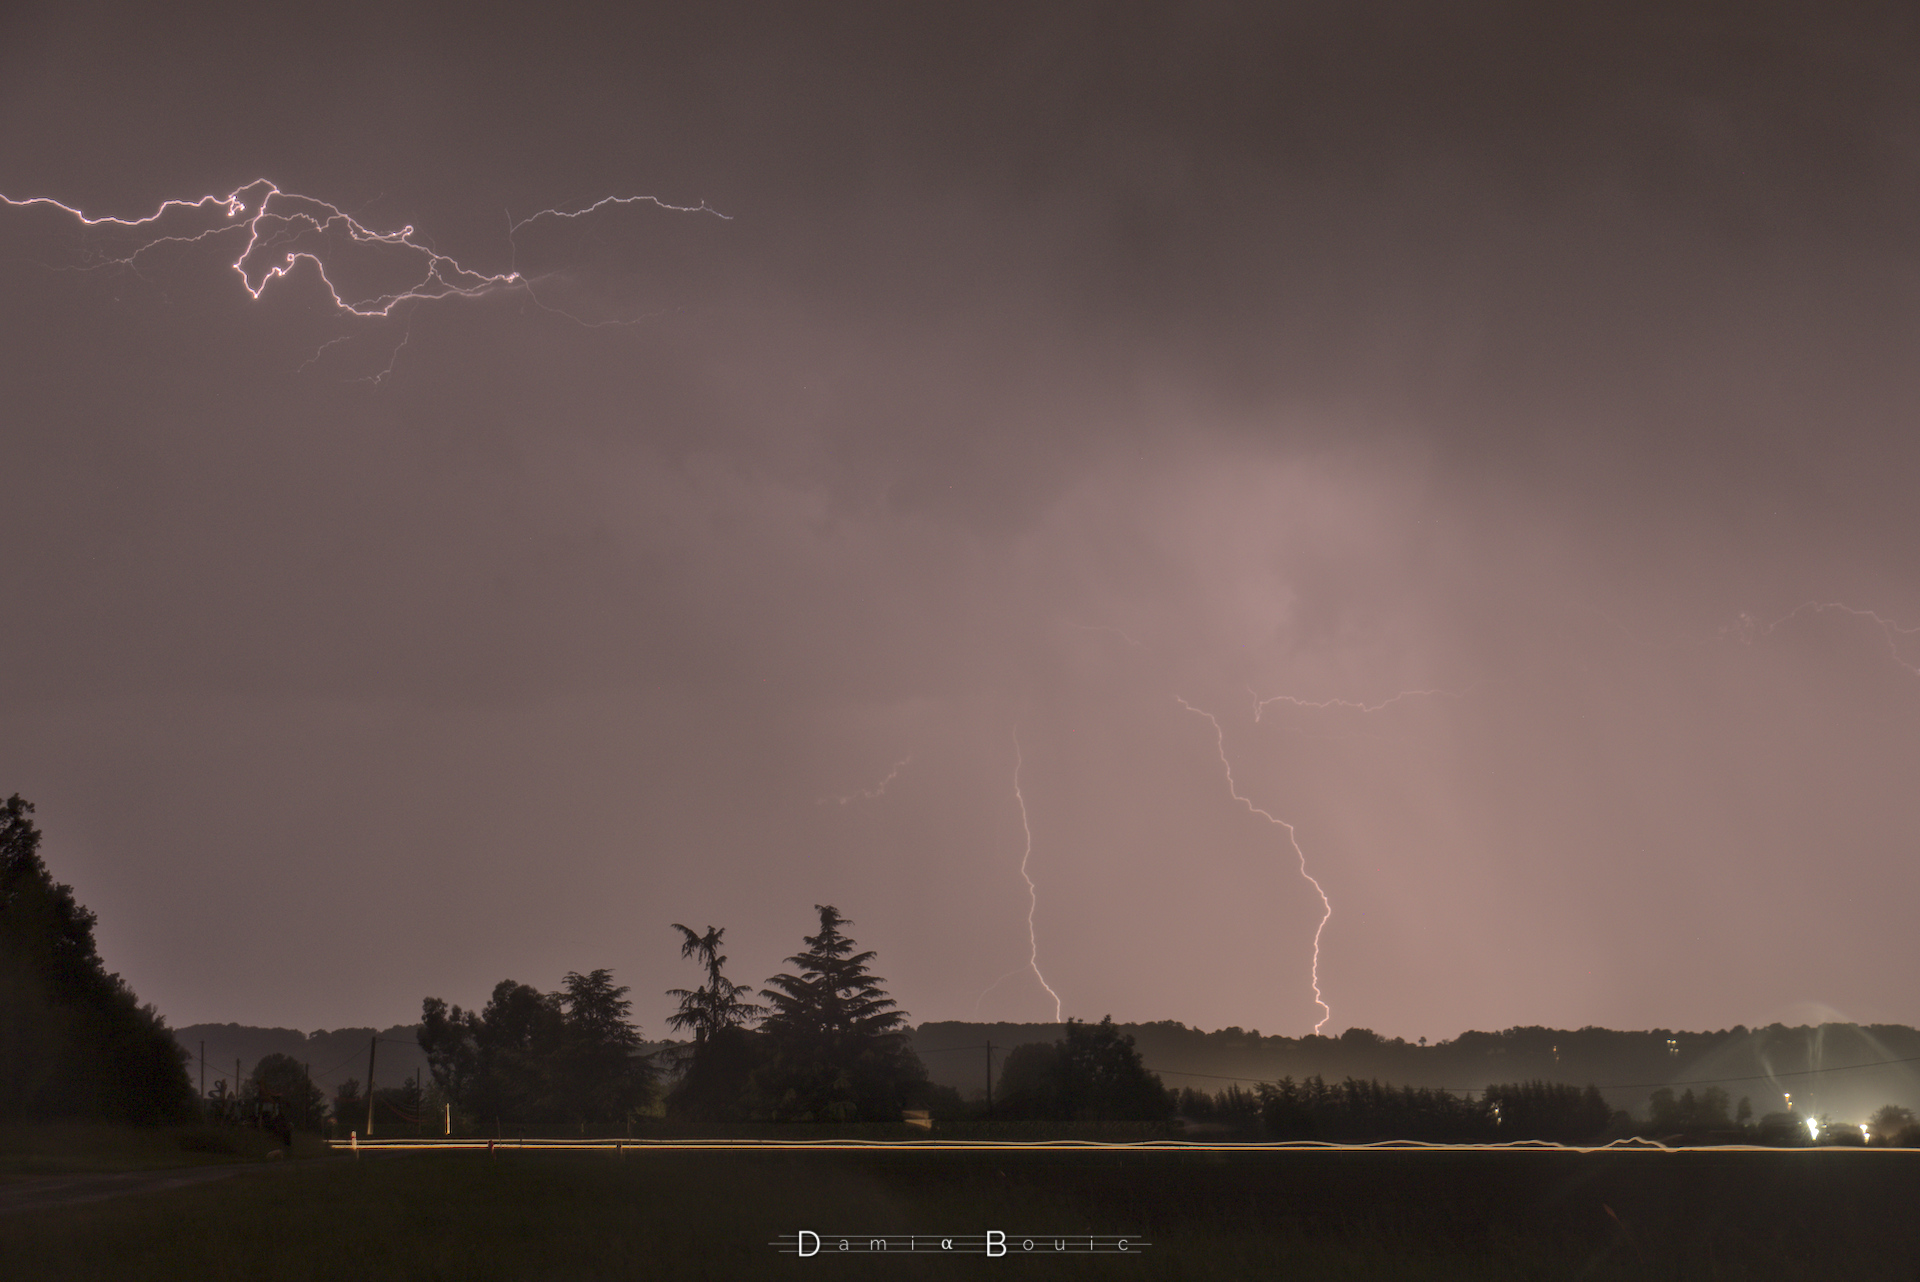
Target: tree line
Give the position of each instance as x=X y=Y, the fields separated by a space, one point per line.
x=827 y=1044
x=1355 y=1111
x=77 y=1042
x=823 y=1042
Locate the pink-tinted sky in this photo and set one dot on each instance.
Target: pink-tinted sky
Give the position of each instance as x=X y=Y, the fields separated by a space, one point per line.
x=1055 y=365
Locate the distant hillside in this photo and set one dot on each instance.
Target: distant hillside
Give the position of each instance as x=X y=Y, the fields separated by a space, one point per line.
x=332 y=1057
x=1817 y=1065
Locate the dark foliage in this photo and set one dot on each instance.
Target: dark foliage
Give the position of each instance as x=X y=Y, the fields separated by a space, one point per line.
x=599 y=1075
x=528 y=1056
x=77 y=1042
x=718 y=1004
x=717 y=1077
x=1556 y=1111
x=716 y=1072
x=835 y=1048
x=282 y=1084
x=1102 y=1079
x=1029 y=1086
x=1358 y=1112
x=349 y=1106
x=1234 y=1108
x=1687 y=1113
x=1363 y=1112
x=1894 y=1124
x=1092 y=1074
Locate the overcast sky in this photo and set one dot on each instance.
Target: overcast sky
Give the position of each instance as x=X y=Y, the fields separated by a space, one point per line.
x=1498 y=419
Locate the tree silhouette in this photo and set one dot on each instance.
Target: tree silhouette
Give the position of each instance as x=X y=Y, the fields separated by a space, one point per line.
x=1357 y=1110
x=530 y=1056
x=715 y=1073
x=837 y=1052
x=1560 y=1112
x=719 y=1003
x=1029 y=1085
x=74 y=1040
x=284 y=1086
x=447 y=1037
x=1708 y=1112
x=1102 y=1077
x=516 y=1037
x=1093 y=1073
x=1891 y=1122
x=602 y=1077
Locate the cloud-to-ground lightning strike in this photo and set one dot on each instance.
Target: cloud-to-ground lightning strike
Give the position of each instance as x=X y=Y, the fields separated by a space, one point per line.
x=1033 y=896
x=868 y=794
x=1233 y=790
x=284 y=229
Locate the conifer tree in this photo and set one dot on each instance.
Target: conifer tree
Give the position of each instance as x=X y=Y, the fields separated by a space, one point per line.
x=837 y=1047
x=716 y=1070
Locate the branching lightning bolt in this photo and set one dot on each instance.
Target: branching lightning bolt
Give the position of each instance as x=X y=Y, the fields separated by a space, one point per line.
x=1220 y=736
x=1100 y=627
x=284 y=229
x=1259 y=704
x=868 y=794
x=1888 y=628
x=1033 y=896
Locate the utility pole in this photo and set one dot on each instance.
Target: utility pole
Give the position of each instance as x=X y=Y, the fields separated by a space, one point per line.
x=203 y=1072
x=989 y=1077
x=372 y=1046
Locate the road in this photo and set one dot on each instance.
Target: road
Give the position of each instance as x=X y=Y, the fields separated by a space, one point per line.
x=40 y=1193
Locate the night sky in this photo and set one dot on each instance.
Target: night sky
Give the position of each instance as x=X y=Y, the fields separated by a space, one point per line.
x=1511 y=405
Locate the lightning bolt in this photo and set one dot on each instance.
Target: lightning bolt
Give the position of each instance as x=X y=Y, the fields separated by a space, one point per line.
x=868 y=794
x=1220 y=736
x=1890 y=630
x=1260 y=704
x=1033 y=896
x=1099 y=627
x=393 y=357
x=280 y=230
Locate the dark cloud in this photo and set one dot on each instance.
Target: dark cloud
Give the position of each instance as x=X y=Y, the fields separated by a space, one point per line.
x=1531 y=365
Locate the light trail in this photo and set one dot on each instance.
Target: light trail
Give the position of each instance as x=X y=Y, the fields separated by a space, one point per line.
x=1033 y=896
x=285 y=229
x=868 y=794
x=1293 y=839
x=620 y=1147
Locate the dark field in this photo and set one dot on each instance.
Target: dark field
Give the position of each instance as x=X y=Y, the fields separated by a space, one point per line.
x=1307 y=1214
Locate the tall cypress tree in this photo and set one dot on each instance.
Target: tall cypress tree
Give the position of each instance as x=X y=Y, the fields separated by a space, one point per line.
x=78 y=1042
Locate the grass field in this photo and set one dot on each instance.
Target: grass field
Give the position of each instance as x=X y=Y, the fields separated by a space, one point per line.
x=59 y=1148
x=1304 y=1214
